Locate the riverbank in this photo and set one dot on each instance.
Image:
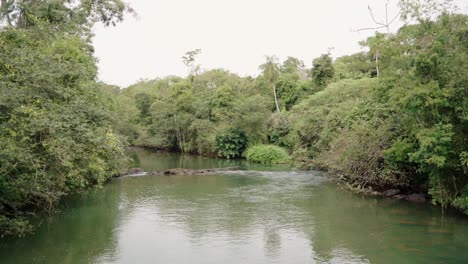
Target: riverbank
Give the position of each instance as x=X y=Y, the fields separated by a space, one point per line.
x=237 y=164
x=391 y=193
x=377 y=191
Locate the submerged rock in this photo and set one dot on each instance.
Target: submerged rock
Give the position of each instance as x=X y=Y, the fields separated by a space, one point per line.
x=131 y=172
x=417 y=197
x=180 y=171
x=187 y=172
x=392 y=192
x=134 y=171
x=400 y=197
x=170 y=172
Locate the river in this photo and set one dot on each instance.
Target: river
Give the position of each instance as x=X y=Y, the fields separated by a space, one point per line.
x=250 y=214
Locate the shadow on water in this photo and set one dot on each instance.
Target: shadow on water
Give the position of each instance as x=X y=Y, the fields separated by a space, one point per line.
x=384 y=230
x=80 y=233
x=151 y=161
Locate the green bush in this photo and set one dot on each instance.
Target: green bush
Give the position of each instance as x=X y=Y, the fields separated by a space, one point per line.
x=231 y=143
x=461 y=203
x=14 y=227
x=266 y=154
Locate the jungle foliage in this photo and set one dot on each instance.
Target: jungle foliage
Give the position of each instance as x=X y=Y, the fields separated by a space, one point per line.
x=56 y=135
x=393 y=120
x=404 y=127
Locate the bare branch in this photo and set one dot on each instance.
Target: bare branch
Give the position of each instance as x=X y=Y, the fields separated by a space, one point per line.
x=396 y=16
x=369 y=28
x=373 y=18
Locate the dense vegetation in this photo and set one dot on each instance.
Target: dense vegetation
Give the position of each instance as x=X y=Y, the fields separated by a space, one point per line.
x=399 y=121
x=394 y=116
x=56 y=137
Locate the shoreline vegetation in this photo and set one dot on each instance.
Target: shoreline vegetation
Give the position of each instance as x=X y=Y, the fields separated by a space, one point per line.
x=391 y=118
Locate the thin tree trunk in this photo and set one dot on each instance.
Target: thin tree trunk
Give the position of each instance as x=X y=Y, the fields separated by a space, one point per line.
x=178 y=134
x=377 y=63
x=276 y=99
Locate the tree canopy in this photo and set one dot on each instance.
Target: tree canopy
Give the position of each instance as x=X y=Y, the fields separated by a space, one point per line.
x=56 y=134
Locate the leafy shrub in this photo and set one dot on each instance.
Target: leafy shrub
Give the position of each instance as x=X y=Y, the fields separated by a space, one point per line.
x=17 y=226
x=358 y=153
x=319 y=119
x=231 y=144
x=462 y=202
x=266 y=154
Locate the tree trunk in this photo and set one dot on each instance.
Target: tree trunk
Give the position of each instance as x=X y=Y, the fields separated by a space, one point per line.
x=377 y=63
x=276 y=99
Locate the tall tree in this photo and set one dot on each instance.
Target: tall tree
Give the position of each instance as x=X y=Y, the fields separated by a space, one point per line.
x=27 y=13
x=410 y=10
x=271 y=71
x=189 y=60
x=292 y=65
x=323 y=71
x=56 y=130
x=420 y=10
x=376 y=44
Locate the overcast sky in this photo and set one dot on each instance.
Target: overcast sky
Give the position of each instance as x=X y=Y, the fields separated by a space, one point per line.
x=232 y=34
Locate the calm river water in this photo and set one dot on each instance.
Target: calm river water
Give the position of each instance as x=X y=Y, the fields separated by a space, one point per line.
x=256 y=215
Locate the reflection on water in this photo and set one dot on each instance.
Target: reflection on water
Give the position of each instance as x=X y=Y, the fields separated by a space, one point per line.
x=239 y=217
x=85 y=229
x=151 y=161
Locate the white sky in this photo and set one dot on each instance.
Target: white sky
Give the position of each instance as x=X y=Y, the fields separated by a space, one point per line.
x=232 y=34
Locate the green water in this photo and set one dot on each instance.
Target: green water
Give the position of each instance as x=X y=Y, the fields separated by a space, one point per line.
x=151 y=161
x=264 y=216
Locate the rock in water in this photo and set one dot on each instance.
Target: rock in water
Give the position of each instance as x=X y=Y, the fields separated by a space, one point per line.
x=186 y=172
x=170 y=172
x=392 y=192
x=400 y=197
x=417 y=197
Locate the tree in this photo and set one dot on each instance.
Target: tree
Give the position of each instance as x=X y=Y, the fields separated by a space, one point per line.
x=271 y=71
x=418 y=10
x=288 y=89
x=56 y=133
x=27 y=13
x=189 y=60
x=57 y=130
x=322 y=70
x=376 y=44
x=292 y=66
x=354 y=66
x=421 y=10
